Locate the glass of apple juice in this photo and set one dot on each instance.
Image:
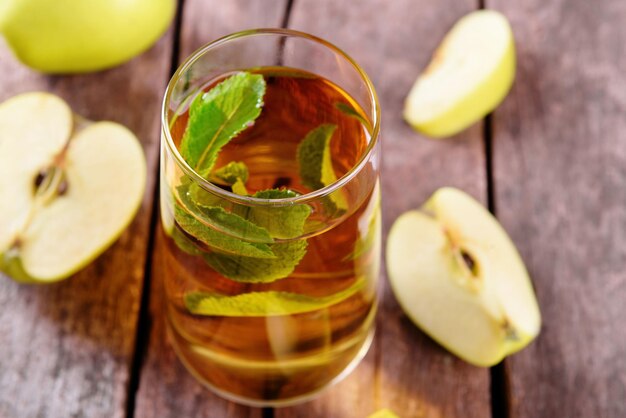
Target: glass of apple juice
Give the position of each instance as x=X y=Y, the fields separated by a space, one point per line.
x=270 y=211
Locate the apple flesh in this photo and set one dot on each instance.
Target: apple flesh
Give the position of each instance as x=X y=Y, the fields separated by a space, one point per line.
x=459 y=277
x=64 y=204
x=24 y=121
x=470 y=73
x=73 y=36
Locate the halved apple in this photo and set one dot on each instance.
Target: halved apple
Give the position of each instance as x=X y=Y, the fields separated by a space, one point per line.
x=65 y=196
x=469 y=75
x=459 y=277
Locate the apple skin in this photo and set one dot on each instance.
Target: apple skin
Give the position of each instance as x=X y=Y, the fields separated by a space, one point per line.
x=11 y=265
x=483 y=98
x=75 y=36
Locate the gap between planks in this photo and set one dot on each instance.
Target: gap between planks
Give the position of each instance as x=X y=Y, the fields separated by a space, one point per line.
x=144 y=322
x=498 y=379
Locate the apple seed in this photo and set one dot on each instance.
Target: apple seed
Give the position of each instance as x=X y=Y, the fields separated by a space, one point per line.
x=469 y=261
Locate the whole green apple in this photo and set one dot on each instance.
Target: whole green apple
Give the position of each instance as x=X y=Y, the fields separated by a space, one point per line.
x=73 y=36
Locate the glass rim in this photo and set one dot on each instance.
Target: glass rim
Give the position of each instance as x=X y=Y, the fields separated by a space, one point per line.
x=255 y=201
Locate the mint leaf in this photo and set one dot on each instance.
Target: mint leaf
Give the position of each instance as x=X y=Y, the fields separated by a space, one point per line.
x=252 y=269
x=191 y=195
x=282 y=222
x=184 y=243
x=240 y=260
x=239 y=188
x=217 y=116
x=316 y=167
x=271 y=303
x=219 y=241
x=234 y=174
x=352 y=112
x=235 y=225
x=231 y=172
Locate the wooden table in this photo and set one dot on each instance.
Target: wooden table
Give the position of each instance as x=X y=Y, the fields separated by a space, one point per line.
x=550 y=162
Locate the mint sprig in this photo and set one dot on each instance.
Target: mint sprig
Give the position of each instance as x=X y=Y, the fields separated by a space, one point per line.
x=239 y=243
x=270 y=303
x=217 y=116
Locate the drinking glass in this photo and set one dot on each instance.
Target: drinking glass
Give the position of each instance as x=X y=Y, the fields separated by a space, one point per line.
x=259 y=332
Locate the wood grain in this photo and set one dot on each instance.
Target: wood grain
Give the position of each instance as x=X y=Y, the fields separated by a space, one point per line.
x=560 y=183
x=166 y=389
x=405 y=370
x=66 y=349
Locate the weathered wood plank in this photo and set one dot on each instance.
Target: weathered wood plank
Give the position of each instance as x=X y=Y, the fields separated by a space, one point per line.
x=166 y=389
x=66 y=349
x=404 y=370
x=560 y=183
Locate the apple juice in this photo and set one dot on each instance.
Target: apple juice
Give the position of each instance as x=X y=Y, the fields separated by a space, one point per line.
x=319 y=318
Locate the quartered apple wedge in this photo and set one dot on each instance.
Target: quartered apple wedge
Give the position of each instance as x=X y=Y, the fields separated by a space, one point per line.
x=458 y=276
x=67 y=189
x=469 y=75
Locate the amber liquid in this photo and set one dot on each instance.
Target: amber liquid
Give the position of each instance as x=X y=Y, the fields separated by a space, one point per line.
x=275 y=360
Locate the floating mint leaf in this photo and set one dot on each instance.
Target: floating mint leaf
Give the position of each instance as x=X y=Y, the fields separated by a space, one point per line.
x=235 y=225
x=221 y=242
x=239 y=188
x=283 y=222
x=259 y=270
x=271 y=303
x=217 y=116
x=231 y=172
x=352 y=112
x=235 y=174
x=184 y=243
x=316 y=167
x=191 y=195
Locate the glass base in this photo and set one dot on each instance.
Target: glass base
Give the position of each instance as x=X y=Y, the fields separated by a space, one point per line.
x=273 y=403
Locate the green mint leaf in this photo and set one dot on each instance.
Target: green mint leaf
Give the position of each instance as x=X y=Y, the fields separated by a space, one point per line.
x=352 y=112
x=221 y=242
x=271 y=303
x=282 y=222
x=316 y=167
x=252 y=269
x=235 y=174
x=231 y=172
x=183 y=242
x=239 y=187
x=191 y=194
x=234 y=225
x=217 y=116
